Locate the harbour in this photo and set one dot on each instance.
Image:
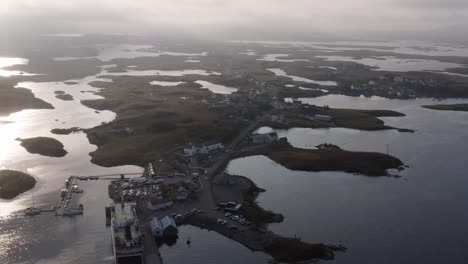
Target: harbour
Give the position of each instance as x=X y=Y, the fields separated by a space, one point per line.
x=68 y=221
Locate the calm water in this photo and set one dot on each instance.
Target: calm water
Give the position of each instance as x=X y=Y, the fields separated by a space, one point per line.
x=208 y=247
x=280 y=72
x=129 y=51
x=161 y=83
x=401 y=47
x=419 y=218
x=389 y=63
x=7 y=62
x=217 y=88
x=278 y=58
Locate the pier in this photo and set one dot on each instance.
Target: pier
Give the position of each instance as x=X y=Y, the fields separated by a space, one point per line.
x=69 y=203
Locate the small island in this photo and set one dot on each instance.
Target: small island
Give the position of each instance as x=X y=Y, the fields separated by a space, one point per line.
x=63 y=96
x=44 y=146
x=13 y=183
x=448 y=107
x=65 y=131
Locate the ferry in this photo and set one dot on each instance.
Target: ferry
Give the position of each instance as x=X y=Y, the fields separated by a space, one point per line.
x=127 y=237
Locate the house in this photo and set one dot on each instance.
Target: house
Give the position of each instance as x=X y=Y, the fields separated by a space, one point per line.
x=156 y=227
x=264 y=138
x=204 y=148
x=182 y=194
x=159 y=203
x=169 y=226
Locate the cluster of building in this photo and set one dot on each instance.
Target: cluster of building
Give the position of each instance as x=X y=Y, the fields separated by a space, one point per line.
x=396 y=86
x=204 y=148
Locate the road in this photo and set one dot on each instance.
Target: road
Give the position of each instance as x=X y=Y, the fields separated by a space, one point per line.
x=243 y=134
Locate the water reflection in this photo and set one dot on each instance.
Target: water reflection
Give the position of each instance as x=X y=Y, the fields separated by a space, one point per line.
x=7 y=62
x=161 y=83
x=129 y=51
x=390 y=63
x=160 y=72
x=277 y=57
x=402 y=47
x=216 y=88
x=280 y=72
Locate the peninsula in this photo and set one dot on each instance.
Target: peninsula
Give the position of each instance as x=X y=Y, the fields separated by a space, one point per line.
x=448 y=107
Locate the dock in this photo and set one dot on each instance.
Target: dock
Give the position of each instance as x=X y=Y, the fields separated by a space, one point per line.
x=69 y=204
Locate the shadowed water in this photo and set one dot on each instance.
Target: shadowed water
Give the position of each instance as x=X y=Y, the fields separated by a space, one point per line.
x=419 y=218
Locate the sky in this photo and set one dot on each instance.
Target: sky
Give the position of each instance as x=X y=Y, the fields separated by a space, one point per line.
x=242 y=19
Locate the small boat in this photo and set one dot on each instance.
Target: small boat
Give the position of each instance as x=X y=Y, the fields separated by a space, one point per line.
x=73 y=211
x=32 y=211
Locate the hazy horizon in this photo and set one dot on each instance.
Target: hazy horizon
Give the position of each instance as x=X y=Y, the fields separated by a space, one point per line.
x=438 y=20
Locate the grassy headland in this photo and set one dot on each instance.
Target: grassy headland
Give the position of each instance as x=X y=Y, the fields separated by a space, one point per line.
x=346 y=118
x=13 y=183
x=17 y=99
x=44 y=146
x=367 y=163
x=448 y=107
x=153 y=120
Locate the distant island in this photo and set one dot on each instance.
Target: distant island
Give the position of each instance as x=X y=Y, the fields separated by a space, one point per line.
x=448 y=107
x=44 y=146
x=13 y=183
x=63 y=96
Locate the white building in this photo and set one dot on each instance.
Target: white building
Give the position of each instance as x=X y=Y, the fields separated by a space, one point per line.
x=202 y=148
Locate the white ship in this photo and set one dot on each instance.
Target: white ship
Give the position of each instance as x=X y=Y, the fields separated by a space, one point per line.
x=127 y=238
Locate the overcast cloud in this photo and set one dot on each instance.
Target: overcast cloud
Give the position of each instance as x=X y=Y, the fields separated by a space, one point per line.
x=443 y=19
